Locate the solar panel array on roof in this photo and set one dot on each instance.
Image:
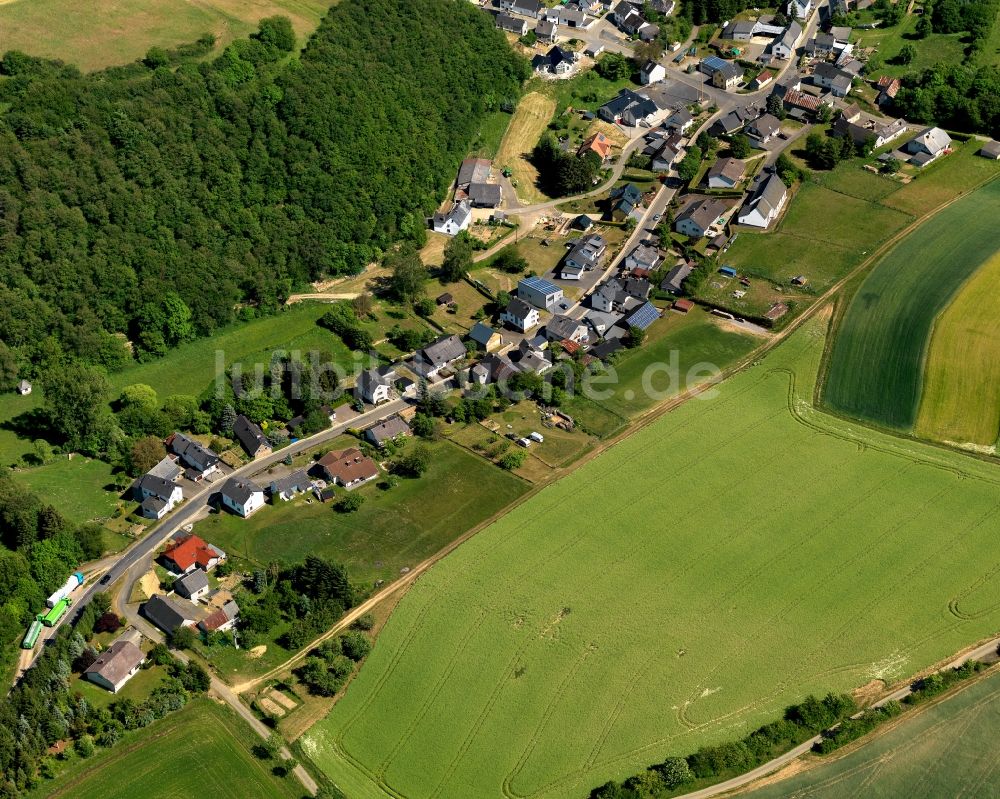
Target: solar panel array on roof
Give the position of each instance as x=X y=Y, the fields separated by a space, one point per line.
x=643 y=316
x=714 y=62
x=540 y=284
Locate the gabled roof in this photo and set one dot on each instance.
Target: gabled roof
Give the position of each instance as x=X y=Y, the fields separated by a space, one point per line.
x=390 y=428
x=675 y=278
x=443 y=351
x=481 y=333
x=152 y=485
x=767 y=195
x=929 y=140
x=229 y=611
x=296 y=481
x=192 y=582
x=791 y=35
x=484 y=193
x=166 y=469
x=643 y=316
x=191 y=452
x=249 y=434
x=166 y=613
x=457 y=214
x=115 y=662
x=518 y=308
x=766 y=125
x=704 y=213
x=545 y=29
x=240 y=490
x=507 y=23
x=598 y=143
x=376 y=377
x=561 y=326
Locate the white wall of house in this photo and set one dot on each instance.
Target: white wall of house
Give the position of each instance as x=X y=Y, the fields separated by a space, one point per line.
x=255 y=502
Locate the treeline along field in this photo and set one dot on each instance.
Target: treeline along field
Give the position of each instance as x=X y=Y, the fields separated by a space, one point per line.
x=678 y=590
x=876 y=361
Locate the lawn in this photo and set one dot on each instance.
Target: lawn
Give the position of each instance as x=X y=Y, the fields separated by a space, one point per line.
x=875 y=367
x=937 y=48
x=679 y=589
x=108 y=32
x=531 y=118
x=393 y=529
x=491 y=133
x=824 y=252
x=76 y=487
x=13 y=446
x=850 y=178
x=202 y=750
x=680 y=350
x=946 y=749
x=961 y=393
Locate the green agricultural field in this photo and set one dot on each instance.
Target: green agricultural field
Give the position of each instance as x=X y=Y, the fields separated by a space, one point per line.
x=961 y=394
x=77 y=488
x=677 y=590
x=947 y=749
x=395 y=528
x=876 y=361
x=680 y=350
x=107 y=32
x=202 y=750
x=848 y=178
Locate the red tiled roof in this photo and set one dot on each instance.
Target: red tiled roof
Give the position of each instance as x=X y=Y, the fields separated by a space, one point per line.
x=214 y=621
x=348 y=466
x=598 y=143
x=190 y=550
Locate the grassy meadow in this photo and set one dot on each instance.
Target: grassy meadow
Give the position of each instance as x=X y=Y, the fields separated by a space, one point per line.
x=201 y=750
x=109 y=32
x=945 y=749
x=395 y=528
x=82 y=488
x=677 y=590
x=530 y=120
x=877 y=358
x=961 y=393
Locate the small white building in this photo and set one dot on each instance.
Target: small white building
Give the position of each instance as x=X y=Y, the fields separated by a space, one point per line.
x=24 y=388
x=799 y=9
x=651 y=72
x=243 y=497
x=519 y=315
x=454 y=221
x=116 y=665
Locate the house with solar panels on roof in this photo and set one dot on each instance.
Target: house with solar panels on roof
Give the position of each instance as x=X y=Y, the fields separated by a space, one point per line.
x=540 y=293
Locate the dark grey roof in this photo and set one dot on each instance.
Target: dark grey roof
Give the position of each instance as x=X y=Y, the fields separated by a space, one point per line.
x=192 y=453
x=191 y=583
x=484 y=193
x=151 y=507
x=509 y=23
x=562 y=326
x=990 y=149
x=389 y=428
x=240 y=490
x=675 y=278
x=295 y=481
x=373 y=378
x=767 y=125
x=249 y=434
x=166 y=613
x=150 y=484
x=481 y=333
x=443 y=351
x=730 y=168
x=518 y=308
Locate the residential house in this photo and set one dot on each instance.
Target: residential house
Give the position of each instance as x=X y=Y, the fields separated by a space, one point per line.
x=193 y=585
x=674 y=281
x=799 y=9
x=723 y=74
x=514 y=25
x=24 y=387
x=821 y=45
x=519 y=315
x=609 y=296
x=116 y=665
x=582 y=223
x=651 y=72
x=668 y=153
x=873 y=131
x=546 y=31
x=251 y=437
x=242 y=496
x=526 y=8
x=764 y=128
x=557 y=61
x=645 y=257
x=570 y=17
x=620 y=11
x=990 y=150
x=199 y=462
x=852 y=112
x=540 y=293
x=528 y=358
x=191 y=552
x=888 y=87
x=734 y=121
x=725 y=173
x=605 y=349
x=485 y=195
x=492 y=369
x=841 y=34
x=927 y=145
x=564 y=328
x=157 y=496
x=849 y=64
x=784 y=47
x=699 y=217
x=679 y=121
x=387 y=430
x=167 y=468
x=601 y=321
x=586 y=254
x=348 y=467
x=624 y=200
x=764 y=79
x=799 y=103
x=764 y=203
x=833 y=78
x=434 y=358
x=285 y=488
x=637 y=288
x=221 y=620
x=599 y=144
x=632 y=23
x=455 y=220
x=374 y=385
x=629 y=108
x=169 y=614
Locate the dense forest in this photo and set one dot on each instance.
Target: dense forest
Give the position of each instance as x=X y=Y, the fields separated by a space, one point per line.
x=154 y=202
x=955 y=97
